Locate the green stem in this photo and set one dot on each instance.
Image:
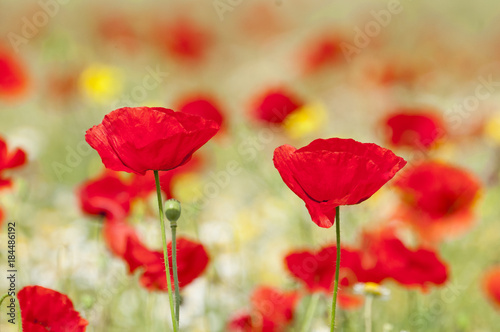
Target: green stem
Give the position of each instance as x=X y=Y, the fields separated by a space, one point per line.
x=311 y=308
x=165 y=252
x=337 y=267
x=368 y=313
x=173 y=227
x=18 y=307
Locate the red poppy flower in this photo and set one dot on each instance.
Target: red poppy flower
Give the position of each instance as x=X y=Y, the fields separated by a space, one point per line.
x=317 y=271
x=491 y=285
x=9 y=160
x=116 y=233
x=192 y=260
x=44 y=309
x=13 y=77
x=322 y=52
x=139 y=139
x=332 y=172
x=437 y=199
x=184 y=39
x=203 y=106
x=252 y=323
x=274 y=305
x=107 y=195
x=271 y=311
x=416 y=130
x=384 y=256
x=275 y=105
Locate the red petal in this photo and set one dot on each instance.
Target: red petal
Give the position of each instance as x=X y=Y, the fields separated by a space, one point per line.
x=51 y=310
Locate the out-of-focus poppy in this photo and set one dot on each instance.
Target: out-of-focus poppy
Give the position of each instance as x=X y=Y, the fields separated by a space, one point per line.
x=13 y=76
x=107 y=195
x=183 y=39
x=317 y=271
x=43 y=309
x=331 y=172
x=204 y=106
x=275 y=105
x=245 y=322
x=384 y=256
x=9 y=160
x=192 y=260
x=437 y=200
x=271 y=311
x=139 y=139
x=117 y=233
x=418 y=130
x=491 y=285
x=321 y=53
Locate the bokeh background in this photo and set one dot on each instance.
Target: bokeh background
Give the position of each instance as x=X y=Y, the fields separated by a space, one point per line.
x=79 y=60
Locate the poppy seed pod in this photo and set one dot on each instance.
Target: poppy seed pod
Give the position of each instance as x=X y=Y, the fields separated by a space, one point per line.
x=172 y=210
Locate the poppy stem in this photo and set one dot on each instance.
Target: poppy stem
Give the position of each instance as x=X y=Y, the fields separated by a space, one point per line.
x=165 y=252
x=18 y=307
x=173 y=227
x=337 y=267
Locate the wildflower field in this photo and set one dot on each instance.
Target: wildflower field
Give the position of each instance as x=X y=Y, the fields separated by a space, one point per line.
x=249 y=166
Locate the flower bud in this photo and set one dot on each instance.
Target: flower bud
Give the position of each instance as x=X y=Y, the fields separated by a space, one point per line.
x=172 y=210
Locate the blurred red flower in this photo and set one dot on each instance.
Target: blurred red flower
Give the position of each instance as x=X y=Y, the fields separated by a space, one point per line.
x=414 y=129
x=271 y=311
x=317 y=271
x=9 y=160
x=491 y=285
x=107 y=195
x=384 y=256
x=13 y=76
x=43 y=309
x=116 y=233
x=437 y=199
x=184 y=39
x=139 y=139
x=192 y=260
x=203 y=106
x=322 y=52
x=332 y=172
x=275 y=105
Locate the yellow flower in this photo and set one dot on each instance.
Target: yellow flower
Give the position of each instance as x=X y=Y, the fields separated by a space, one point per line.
x=492 y=128
x=101 y=83
x=372 y=289
x=305 y=120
